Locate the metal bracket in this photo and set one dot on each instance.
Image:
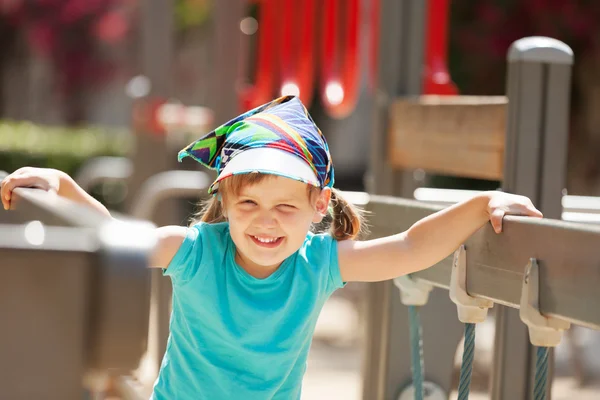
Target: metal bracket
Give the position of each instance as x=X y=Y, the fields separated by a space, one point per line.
x=543 y=331
x=413 y=292
x=470 y=309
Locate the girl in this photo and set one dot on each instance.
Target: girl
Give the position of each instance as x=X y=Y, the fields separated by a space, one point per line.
x=250 y=278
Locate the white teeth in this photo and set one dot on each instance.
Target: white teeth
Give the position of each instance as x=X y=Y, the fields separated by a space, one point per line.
x=265 y=240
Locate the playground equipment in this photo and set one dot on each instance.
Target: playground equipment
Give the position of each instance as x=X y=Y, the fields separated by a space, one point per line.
x=83 y=268
x=75 y=296
x=520 y=140
x=496 y=268
x=512 y=139
x=493 y=269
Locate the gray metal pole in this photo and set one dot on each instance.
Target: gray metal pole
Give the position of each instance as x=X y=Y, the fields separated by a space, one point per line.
x=228 y=58
x=538 y=88
x=380 y=180
x=165 y=185
x=103 y=169
x=387 y=362
x=150 y=155
x=400 y=66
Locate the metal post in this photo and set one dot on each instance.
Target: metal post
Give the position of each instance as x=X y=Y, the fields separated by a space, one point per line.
x=165 y=185
x=150 y=156
x=393 y=39
x=400 y=67
x=538 y=88
x=228 y=58
x=102 y=169
x=387 y=364
x=379 y=181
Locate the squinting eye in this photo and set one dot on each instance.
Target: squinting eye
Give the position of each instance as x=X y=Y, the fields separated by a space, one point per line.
x=287 y=207
x=250 y=202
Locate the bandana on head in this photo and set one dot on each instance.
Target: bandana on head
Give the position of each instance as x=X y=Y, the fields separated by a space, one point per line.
x=282 y=124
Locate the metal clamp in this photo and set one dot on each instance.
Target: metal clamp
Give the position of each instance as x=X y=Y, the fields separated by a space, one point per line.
x=413 y=292
x=470 y=309
x=543 y=331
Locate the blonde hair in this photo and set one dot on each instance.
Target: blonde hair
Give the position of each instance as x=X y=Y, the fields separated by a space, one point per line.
x=346 y=221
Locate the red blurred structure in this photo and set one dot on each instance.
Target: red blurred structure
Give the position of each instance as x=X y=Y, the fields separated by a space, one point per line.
x=301 y=45
x=297 y=48
x=437 y=79
x=340 y=60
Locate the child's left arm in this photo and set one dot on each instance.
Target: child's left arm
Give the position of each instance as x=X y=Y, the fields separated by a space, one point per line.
x=429 y=240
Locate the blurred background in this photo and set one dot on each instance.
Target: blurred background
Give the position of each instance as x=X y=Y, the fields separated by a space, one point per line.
x=136 y=80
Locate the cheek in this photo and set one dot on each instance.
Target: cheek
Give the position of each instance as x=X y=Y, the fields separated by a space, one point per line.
x=297 y=222
x=239 y=216
x=238 y=223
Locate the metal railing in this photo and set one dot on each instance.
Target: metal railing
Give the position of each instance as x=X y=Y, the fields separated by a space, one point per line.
x=567 y=252
x=101 y=169
x=575 y=208
x=76 y=288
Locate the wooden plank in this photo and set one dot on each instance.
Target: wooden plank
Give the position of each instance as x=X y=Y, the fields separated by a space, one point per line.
x=568 y=255
x=450 y=135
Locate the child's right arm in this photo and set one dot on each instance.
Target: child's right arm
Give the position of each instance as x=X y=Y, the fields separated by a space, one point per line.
x=52 y=180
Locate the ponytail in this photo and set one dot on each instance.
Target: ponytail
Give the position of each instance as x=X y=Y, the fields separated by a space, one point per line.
x=347 y=219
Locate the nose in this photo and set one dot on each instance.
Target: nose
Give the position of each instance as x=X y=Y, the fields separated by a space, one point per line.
x=266 y=220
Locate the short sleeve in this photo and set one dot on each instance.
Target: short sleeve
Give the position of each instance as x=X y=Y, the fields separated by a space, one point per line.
x=335 y=277
x=186 y=260
x=322 y=255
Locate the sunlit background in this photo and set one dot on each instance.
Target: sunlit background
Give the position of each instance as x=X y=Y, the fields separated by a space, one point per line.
x=133 y=81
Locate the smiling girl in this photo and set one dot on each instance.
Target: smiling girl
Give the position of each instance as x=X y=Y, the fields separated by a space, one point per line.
x=250 y=277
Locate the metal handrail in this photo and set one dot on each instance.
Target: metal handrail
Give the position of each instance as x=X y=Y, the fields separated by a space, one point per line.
x=168 y=185
x=107 y=260
x=567 y=252
x=575 y=208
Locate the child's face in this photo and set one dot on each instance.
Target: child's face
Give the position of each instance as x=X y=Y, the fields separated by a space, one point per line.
x=269 y=220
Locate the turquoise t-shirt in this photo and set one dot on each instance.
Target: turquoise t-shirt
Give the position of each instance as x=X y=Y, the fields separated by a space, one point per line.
x=233 y=336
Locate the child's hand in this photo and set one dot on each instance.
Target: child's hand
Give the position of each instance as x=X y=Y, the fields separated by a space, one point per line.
x=42 y=178
x=501 y=204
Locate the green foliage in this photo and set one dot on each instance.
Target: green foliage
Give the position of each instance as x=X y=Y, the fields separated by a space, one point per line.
x=50 y=140
x=28 y=144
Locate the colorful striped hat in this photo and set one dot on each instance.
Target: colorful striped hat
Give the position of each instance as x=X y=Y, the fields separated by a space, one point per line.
x=278 y=138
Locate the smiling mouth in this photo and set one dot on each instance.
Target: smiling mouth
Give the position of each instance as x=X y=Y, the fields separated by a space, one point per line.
x=269 y=242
